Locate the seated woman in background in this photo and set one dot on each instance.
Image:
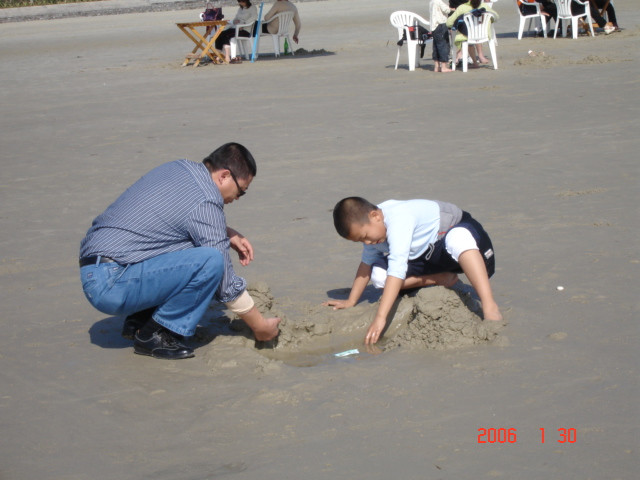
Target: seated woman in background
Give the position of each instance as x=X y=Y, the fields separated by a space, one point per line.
x=462 y=37
x=611 y=13
x=547 y=7
x=281 y=6
x=247 y=13
x=579 y=8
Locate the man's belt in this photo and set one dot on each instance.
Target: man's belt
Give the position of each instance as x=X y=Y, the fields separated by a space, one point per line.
x=84 y=261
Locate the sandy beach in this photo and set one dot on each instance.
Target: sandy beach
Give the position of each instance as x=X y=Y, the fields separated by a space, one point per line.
x=540 y=151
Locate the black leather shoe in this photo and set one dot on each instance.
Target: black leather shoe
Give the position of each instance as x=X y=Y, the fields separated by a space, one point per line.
x=135 y=322
x=130 y=327
x=163 y=345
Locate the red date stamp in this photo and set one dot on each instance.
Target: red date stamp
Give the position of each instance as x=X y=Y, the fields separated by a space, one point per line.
x=510 y=435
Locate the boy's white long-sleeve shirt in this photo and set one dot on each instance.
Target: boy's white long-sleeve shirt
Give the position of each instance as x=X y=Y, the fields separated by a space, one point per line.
x=412 y=225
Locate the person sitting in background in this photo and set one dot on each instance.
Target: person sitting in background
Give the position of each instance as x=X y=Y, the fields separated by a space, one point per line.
x=274 y=27
x=461 y=36
x=547 y=7
x=609 y=26
x=611 y=12
x=580 y=8
x=247 y=13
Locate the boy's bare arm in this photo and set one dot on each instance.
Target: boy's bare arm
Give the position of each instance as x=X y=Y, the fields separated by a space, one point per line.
x=389 y=294
x=363 y=275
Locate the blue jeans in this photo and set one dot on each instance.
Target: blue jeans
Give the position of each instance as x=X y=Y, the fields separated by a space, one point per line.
x=441 y=45
x=181 y=284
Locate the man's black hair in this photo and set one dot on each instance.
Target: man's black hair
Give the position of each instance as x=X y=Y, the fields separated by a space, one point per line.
x=234 y=157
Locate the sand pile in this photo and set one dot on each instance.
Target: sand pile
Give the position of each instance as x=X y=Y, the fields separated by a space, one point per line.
x=536 y=59
x=430 y=318
x=441 y=320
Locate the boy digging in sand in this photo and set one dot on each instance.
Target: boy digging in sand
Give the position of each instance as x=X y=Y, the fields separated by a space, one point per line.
x=411 y=244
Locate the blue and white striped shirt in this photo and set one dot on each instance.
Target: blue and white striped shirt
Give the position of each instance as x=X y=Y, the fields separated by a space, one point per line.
x=173 y=207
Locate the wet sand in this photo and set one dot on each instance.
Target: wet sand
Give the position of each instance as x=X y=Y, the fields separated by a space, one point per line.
x=542 y=152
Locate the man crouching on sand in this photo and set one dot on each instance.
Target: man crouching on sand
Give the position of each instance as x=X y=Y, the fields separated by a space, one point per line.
x=160 y=253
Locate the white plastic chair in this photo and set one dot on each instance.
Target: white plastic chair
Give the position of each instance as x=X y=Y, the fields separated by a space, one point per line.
x=243 y=44
x=285 y=19
x=565 y=15
x=493 y=32
x=479 y=31
x=532 y=19
x=402 y=20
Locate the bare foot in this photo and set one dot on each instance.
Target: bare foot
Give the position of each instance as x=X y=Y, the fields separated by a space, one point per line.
x=445 y=69
x=484 y=60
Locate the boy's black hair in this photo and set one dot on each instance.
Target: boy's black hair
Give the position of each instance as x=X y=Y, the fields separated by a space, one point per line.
x=234 y=157
x=349 y=211
x=475 y=3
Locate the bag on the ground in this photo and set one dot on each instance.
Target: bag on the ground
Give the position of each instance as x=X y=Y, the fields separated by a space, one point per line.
x=417 y=32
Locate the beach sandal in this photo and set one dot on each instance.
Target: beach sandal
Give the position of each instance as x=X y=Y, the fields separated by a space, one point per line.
x=236 y=60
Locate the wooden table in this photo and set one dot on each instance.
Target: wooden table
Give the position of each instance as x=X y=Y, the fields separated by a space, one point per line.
x=207 y=47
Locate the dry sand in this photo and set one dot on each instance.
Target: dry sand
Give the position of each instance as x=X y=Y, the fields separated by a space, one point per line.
x=541 y=151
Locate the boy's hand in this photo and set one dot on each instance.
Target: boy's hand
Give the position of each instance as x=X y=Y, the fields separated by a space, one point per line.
x=338 y=304
x=375 y=329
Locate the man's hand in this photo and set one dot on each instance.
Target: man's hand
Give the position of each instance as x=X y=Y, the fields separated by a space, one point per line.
x=375 y=329
x=264 y=329
x=338 y=304
x=268 y=330
x=241 y=245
